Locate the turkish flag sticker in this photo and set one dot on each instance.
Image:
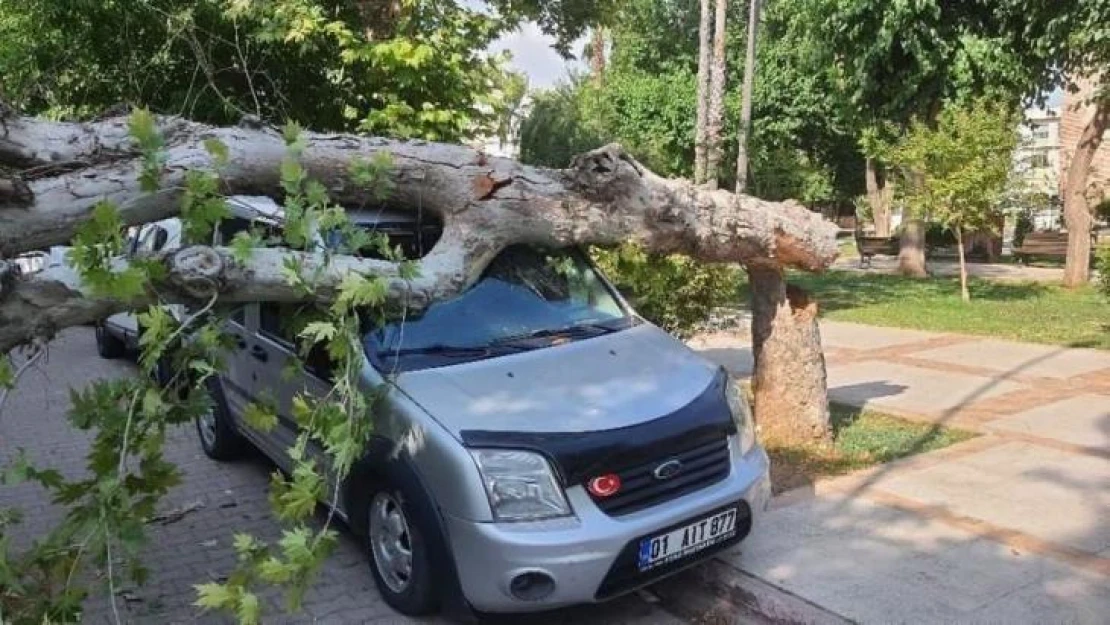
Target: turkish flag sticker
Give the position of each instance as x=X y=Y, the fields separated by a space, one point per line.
x=604 y=486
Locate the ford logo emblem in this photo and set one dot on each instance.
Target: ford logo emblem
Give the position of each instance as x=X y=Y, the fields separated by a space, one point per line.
x=667 y=470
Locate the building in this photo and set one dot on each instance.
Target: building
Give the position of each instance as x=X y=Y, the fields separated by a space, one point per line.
x=1036 y=186
x=1074 y=114
x=1038 y=154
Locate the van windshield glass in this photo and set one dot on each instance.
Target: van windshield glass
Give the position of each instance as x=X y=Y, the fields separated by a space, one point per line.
x=527 y=298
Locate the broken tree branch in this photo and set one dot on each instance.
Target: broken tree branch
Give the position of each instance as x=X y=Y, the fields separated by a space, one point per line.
x=485 y=205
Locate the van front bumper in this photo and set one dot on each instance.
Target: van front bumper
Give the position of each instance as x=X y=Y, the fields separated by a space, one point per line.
x=590 y=557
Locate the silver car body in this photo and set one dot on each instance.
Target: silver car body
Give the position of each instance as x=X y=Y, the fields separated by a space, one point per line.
x=600 y=386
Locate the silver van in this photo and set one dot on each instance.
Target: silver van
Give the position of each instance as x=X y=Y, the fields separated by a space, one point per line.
x=540 y=444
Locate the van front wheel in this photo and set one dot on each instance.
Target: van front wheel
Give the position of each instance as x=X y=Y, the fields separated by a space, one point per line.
x=399 y=558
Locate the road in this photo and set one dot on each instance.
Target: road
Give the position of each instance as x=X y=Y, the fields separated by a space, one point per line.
x=222 y=499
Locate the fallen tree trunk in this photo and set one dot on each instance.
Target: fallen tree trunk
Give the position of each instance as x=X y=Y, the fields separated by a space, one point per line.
x=486 y=204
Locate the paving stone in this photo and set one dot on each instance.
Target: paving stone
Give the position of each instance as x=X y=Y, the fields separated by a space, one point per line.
x=1046 y=361
x=1080 y=420
x=875 y=564
x=858 y=336
x=912 y=389
x=1054 y=495
x=1059 y=596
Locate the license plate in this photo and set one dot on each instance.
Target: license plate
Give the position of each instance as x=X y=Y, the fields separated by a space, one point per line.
x=688 y=539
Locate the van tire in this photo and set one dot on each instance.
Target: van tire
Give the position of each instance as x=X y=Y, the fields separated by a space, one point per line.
x=108 y=346
x=420 y=596
x=219 y=439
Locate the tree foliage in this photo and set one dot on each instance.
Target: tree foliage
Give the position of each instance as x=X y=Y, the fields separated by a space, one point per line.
x=128 y=419
x=955 y=172
x=412 y=69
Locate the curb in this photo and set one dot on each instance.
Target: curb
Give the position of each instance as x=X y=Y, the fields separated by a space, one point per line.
x=718 y=593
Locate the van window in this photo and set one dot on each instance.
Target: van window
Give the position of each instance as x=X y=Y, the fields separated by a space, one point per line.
x=525 y=292
x=231 y=226
x=273 y=320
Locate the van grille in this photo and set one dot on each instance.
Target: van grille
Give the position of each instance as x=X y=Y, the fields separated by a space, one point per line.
x=702 y=466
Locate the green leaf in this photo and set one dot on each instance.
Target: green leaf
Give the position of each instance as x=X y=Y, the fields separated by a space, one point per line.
x=214 y=596
x=7 y=375
x=250 y=611
x=260 y=417
x=291 y=132
x=274 y=571
x=245 y=544
x=218 y=150
x=143 y=127
x=292 y=176
x=319 y=331
x=243 y=244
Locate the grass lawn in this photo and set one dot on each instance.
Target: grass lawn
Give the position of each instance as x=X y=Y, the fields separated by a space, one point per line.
x=1039 y=313
x=862 y=439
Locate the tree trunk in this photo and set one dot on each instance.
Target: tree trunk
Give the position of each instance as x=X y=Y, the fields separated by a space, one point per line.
x=911 y=253
x=878 y=198
x=716 y=118
x=1077 y=214
x=746 y=100
x=484 y=203
x=705 y=59
x=791 y=401
x=964 y=293
x=597 y=55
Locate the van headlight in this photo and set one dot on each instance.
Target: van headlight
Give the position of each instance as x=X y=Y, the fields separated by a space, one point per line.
x=741 y=414
x=520 y=485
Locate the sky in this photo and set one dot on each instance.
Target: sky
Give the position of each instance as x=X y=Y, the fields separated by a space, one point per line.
x=534 y=56
x=532 y=52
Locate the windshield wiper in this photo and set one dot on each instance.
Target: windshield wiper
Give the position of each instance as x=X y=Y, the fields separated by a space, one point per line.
x=451 y=351
x=592 y=329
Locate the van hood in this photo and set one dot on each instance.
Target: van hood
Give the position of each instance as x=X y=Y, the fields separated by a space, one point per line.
x=601 y=383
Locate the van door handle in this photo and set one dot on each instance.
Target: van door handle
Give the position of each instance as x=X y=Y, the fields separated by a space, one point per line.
x=240 y=342
x=259 y=353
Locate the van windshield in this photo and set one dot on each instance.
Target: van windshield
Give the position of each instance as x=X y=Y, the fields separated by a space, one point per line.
x=527 y=298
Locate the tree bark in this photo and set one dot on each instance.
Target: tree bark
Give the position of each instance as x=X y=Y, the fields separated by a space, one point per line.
x=1077 y=213
x=911 y=252
x=484 y=203
x=715 y=123
x=597 y=55
x=791 y=403
x=705 y=59
x=878 y=198
x=746 y=99
x=964 y=293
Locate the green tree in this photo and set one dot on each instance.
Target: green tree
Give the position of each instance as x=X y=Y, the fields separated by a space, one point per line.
x=893 y=62
x=956 y=170
x=410 y=69
x=1063 y=42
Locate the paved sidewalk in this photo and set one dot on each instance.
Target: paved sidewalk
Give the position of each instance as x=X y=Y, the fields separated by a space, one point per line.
x=992 y=271
x=1009 y=527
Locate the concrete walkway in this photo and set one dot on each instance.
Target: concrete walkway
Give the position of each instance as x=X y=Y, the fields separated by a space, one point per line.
x=991 y=271
x=1009 y=527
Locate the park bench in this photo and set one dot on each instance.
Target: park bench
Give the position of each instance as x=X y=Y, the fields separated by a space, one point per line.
x=868 y=247
x=1044 y=245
